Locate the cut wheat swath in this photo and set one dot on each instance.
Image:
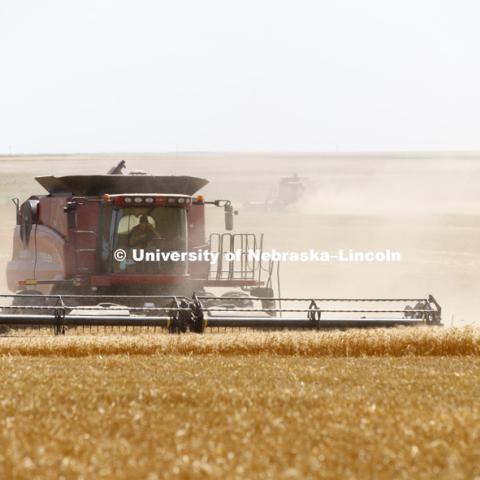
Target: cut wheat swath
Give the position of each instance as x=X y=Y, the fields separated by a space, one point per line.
x=379 y=342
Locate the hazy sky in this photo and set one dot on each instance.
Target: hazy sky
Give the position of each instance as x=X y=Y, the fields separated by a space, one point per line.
x=260 y=75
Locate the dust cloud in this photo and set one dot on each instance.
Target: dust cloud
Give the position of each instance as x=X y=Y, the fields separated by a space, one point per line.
x=424 y=206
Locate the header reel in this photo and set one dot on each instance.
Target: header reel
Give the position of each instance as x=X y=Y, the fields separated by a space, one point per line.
x=197 y=314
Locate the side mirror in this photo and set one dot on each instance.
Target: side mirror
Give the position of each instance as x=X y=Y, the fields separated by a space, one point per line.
x=229 y=211
x=71 y=210
x=228 y=216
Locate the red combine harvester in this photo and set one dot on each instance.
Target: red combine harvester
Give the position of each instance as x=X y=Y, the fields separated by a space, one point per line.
x=132 y=250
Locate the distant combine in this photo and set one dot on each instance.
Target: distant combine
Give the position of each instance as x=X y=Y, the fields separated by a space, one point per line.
x=288 y=192
x=76 y=262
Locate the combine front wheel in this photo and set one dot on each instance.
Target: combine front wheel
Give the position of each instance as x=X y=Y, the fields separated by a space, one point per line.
x=25 y=298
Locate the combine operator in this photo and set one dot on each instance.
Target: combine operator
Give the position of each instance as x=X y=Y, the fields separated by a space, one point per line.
x=142 y=234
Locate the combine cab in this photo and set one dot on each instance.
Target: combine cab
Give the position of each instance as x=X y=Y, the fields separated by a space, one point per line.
x=132 y=250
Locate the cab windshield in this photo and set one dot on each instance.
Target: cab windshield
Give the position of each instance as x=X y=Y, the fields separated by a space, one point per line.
x=142 y=230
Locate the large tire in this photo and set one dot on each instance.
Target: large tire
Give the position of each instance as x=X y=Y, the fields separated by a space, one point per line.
x=18 y=302
x=28 y=302
x=242 y=299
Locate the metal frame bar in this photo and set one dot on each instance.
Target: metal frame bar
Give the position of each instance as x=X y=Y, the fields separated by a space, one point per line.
x=242 y=269
x=196 y=314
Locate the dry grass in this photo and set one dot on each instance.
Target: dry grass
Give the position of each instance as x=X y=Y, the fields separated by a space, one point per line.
x=239 y=417
x=396 y=342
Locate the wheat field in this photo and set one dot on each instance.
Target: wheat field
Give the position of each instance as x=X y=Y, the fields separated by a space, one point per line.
x=399 y=403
